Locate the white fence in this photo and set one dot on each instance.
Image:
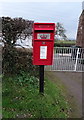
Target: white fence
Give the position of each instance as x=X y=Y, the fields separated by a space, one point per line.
x=67 y=59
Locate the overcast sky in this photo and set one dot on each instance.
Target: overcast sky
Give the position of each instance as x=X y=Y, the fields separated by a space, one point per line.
x=66 y=13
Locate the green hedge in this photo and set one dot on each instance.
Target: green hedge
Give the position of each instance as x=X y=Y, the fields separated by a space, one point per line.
x=63 y=43
x=15 y=61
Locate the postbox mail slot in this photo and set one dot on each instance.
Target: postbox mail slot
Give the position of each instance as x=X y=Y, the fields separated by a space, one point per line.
x=43 y=29
x=44 y=26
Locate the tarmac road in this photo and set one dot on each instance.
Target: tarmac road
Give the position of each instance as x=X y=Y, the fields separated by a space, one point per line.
x=72 y=81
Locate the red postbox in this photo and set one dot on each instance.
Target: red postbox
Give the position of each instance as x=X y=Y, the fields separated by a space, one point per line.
x=43 y=43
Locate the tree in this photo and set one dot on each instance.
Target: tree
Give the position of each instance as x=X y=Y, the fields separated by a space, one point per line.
x=12 y=30
x=60 y=31
x=16 y=28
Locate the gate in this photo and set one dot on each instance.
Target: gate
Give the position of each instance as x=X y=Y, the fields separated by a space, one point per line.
x=67 y=59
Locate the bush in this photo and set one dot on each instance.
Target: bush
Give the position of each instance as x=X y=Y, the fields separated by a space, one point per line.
x=64 y=43
x=15 y=61
x=9 y=59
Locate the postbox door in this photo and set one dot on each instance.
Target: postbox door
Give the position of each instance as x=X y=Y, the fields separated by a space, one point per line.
x=43 y=52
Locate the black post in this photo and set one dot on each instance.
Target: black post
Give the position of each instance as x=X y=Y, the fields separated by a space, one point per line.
x=41 y=79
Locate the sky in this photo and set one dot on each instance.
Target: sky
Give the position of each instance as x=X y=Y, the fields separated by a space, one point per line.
x=67 y=13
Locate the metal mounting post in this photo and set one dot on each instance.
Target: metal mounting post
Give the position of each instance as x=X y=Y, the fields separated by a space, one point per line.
x=41 y=79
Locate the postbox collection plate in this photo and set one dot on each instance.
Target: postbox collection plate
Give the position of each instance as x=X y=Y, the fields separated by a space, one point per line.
x=43 y=52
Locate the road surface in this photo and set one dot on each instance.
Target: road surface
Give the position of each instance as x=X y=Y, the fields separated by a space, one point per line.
x=72 y=81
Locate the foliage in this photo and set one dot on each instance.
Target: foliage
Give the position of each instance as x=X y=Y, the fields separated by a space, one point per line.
x=9 y=59
x=15 y=28
x=60 y=31
x=64 y=43
x=13 y=60
x=24 y=78
x=23 y=100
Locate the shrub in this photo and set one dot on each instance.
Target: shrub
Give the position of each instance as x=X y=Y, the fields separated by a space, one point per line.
x=15 y=61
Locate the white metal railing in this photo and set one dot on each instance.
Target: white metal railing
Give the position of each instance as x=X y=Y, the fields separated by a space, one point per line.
x=67 y=59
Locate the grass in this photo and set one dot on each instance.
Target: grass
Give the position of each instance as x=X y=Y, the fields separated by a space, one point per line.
x=22 y=99
x=0 y=96
x=66 y=41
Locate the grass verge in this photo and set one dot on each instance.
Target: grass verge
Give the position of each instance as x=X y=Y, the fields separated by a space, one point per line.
x=21 y=99
x=64 y=43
